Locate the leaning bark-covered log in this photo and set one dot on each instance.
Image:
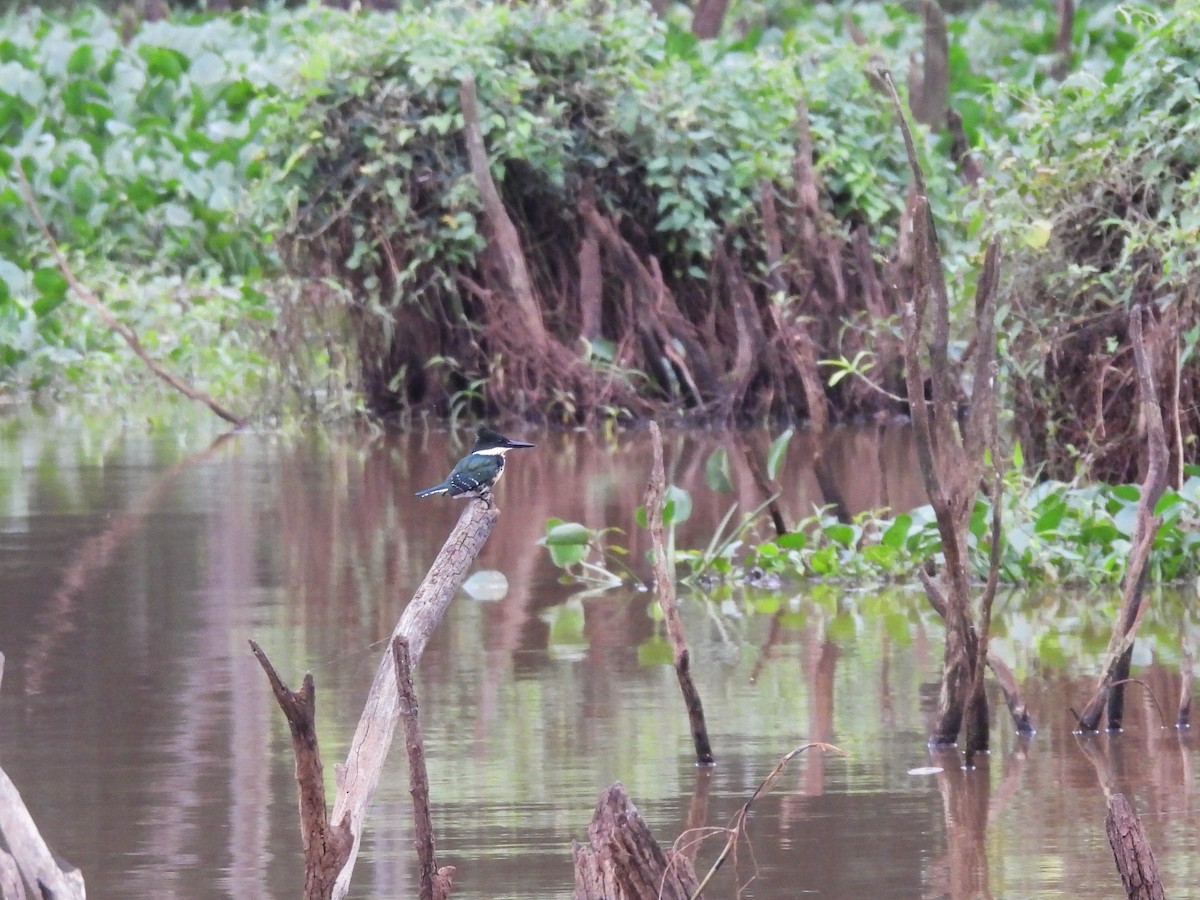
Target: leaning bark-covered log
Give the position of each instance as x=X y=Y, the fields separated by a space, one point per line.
x=29 y=859
x=359 y=777
x=1110 y=689
x=326 y=848
x=334 y=853
x=622 y=861
x=435 y=882
x=1134 y=858
x=655 y=492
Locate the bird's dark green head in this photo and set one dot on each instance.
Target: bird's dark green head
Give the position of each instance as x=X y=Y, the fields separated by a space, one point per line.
x=488 y=440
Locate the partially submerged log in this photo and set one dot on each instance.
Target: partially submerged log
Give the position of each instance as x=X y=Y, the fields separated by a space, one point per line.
x=1131 y=850
x=29 y=859
x=623 y=861
x=331 y=849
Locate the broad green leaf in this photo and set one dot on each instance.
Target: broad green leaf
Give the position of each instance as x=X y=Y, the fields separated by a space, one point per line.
x=677 y=506
x=897 y=532
x=793 y=540
x=842 y=533
x=777 y=452
x=567 y=533
x=716 y=471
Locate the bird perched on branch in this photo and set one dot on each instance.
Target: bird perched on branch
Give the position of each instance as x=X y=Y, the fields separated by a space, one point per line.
x=475 y=473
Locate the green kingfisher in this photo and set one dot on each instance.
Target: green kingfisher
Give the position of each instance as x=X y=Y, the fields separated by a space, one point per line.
x=475 y=473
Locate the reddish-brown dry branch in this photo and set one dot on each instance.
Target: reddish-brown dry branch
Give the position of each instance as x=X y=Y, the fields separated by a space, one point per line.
x=435 y=882
x=736 y=829
x=326 y=848
x=1133 y=603
x=114 y=324
x=655 y=492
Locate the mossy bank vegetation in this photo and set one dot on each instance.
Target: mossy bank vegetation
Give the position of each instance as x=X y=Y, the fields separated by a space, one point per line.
x=581 y=212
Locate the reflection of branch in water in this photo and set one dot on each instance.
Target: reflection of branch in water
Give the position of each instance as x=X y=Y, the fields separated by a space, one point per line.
x=736 y=829
x=90 y=559
x=963 y=870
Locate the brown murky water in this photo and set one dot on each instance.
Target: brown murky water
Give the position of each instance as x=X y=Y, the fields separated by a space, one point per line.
x=134 y=564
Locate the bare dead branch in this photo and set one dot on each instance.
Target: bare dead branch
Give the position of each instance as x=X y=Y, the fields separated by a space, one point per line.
x=655 y=493
x=1133 y=603
x=359 y=777
x=114 y=324
x=326 y=848
x=736 y=829
x=435 y=882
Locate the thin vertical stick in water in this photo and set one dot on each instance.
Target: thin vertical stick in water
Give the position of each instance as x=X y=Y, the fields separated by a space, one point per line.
x=655 y=492
x=435 y=883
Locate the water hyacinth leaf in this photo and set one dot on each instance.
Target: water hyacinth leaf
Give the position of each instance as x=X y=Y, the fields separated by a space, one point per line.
x=897 y=532
x=1050 y=518
x=880 y=555
x=677 y=506
x=793 y=540
x=716 y=471
x=843 y=534
x=777 y=452
x=566 y=534
x=1169 y=499
x=1129 y=493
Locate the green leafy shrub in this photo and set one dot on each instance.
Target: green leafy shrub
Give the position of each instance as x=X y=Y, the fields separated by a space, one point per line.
x=1099 y=186
x=139 y=153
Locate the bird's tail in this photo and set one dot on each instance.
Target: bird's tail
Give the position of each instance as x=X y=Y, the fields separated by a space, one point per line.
x=436 y=489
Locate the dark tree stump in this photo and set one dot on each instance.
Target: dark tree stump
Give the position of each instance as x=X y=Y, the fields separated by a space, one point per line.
x=623 y=861
x=1135 y=859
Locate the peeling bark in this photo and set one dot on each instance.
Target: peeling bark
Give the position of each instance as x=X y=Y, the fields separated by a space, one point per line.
x=623 y=861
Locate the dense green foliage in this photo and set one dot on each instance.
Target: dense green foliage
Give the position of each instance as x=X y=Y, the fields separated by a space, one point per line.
x=1104 y=174
x=169 y=156
x=139 y=149
x=1053 y=533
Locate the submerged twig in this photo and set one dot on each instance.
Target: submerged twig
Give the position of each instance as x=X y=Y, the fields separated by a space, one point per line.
x=737 y=825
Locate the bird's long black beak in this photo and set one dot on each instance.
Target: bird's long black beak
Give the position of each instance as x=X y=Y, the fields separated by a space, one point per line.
x=517 y=445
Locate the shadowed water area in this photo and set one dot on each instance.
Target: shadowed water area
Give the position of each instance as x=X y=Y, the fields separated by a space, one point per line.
x=135 y=563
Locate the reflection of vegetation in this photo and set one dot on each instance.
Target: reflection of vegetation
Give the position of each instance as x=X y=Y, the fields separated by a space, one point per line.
x=1053 y=533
